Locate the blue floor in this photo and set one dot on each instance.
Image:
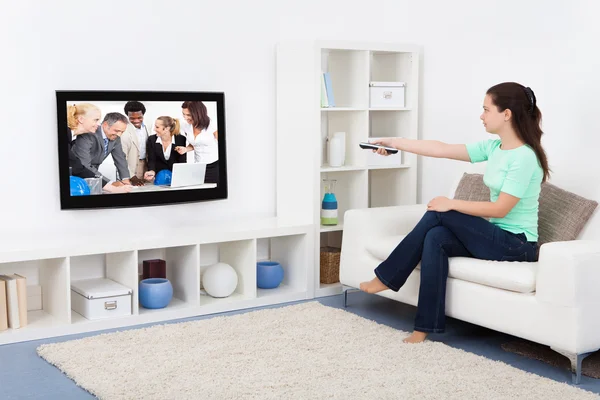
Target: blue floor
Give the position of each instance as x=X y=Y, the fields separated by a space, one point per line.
x=27 y=376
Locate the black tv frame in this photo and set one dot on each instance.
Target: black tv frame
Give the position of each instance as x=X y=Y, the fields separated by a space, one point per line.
x=140 y=199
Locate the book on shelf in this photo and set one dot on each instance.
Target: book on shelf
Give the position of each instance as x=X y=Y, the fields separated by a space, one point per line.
x=324 y=102
x=327 y=98
x=16 y=300
x=3 y=307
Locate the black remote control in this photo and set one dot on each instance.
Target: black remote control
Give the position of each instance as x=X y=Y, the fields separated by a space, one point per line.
x=372 y=146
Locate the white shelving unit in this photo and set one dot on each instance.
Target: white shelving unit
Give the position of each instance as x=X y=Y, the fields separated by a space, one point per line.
x=303 y=125
x=55 y=262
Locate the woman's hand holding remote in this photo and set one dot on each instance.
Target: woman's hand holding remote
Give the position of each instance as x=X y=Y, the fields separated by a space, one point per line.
x=387 y=142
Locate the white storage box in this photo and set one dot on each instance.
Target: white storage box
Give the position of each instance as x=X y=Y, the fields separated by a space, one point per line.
x=386 y=94
x=100 y=298
x=377 y=160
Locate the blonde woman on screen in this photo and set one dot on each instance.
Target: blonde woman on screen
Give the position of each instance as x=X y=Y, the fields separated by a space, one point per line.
x=82 y=119
x=161 y=147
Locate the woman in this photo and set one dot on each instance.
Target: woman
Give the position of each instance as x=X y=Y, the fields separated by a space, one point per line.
x=161 y=147
x=202 y=139
x=84 y=118
x=517 y=166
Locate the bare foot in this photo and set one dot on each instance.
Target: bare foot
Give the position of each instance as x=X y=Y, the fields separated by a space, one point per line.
x=416 y=337
x=373 y=286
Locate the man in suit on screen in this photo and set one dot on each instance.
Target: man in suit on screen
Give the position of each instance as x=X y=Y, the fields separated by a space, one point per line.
x=92 y=149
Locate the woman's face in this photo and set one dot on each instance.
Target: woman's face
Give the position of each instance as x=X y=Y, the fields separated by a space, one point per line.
x=493 y=120
x=161 y=130
x=187 y=116
x=90 y=121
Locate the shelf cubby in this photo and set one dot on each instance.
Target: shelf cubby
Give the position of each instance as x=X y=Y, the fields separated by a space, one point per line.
x=355 y=126
x=350 y=192
x=328 y=239
x=182 y=270
x=291 y=252
x=241 y=255
x=387 y=187
x=390 y=66
x=53 y=277
x=349 y=72
x=120 y=267
x=389 y=123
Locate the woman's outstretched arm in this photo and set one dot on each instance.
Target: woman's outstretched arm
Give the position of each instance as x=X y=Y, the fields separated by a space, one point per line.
x=428 y=148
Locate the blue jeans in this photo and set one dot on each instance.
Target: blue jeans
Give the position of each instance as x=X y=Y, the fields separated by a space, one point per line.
x=440 y=235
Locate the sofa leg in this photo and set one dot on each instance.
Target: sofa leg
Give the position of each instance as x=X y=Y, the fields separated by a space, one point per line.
x=577 y=367
x=346 y=290
x=576 y=362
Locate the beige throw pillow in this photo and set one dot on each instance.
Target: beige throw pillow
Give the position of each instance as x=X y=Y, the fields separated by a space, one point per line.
x=562 y=214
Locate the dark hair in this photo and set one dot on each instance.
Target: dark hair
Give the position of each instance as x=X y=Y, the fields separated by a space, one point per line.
x=200 y=118
x=113 y=117
x=134 y=106
x=526 y=116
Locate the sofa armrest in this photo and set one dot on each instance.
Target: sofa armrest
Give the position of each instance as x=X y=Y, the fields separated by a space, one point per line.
x=361 y=226
x=568 y=273
x=383 y=221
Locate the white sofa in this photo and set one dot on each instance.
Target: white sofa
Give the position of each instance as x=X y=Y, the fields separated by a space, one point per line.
x=555 y=301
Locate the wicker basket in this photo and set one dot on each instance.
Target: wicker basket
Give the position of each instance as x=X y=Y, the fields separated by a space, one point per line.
x=330 y=265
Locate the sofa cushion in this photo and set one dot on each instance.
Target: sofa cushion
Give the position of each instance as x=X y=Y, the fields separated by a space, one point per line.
x=514 y=276
x=562 y=214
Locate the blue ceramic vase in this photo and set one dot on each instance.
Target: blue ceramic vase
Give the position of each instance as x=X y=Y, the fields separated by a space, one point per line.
x=155 y=293
x=269 y=274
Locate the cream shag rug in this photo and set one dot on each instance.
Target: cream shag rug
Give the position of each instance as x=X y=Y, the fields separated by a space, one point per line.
x=304 y=351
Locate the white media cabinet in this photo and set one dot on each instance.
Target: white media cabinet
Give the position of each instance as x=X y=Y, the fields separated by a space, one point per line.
x=53 y=262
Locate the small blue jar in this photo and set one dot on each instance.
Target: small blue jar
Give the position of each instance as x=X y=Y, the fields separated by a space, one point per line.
x=155 y=293
x=269 y=274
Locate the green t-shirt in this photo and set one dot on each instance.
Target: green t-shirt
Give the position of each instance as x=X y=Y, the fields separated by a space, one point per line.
x=516 y=172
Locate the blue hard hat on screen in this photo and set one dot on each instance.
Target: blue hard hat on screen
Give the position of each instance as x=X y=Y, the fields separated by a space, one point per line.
x=163 y=177
x=79 y=187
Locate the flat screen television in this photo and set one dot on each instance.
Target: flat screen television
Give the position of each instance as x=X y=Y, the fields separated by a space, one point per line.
x=140 y=148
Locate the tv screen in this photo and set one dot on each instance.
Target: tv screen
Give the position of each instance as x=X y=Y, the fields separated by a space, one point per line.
x=136 y=148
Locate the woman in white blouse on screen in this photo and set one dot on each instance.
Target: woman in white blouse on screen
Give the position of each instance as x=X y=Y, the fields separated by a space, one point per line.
x=202 y=138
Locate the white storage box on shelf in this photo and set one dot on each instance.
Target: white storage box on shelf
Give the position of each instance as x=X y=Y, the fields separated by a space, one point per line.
x=377 y=160
x=100 y=298
x=387 y=94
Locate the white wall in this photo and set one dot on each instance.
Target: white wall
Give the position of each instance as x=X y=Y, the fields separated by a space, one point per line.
x=544 y=45
x=229 y=46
